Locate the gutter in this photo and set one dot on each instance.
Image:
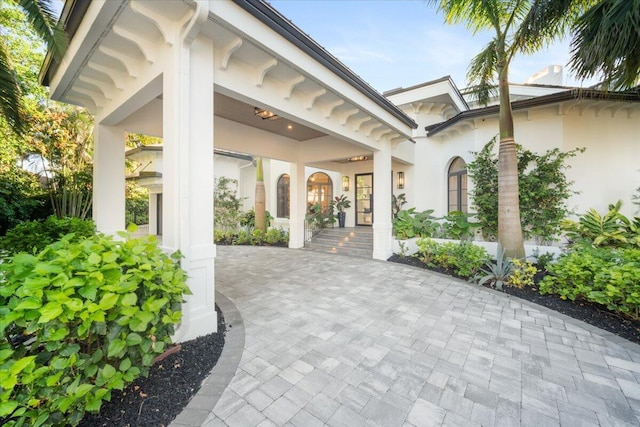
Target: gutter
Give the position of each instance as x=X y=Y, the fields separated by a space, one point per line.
x=71 y=16
x=569 y=95
x=278 y=23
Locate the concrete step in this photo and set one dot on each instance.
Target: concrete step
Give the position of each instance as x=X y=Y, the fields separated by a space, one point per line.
x=356 y=242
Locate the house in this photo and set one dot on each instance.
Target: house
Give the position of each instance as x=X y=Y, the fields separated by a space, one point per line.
x=236 y=76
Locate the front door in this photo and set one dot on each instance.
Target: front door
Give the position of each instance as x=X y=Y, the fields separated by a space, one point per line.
x=364 y=199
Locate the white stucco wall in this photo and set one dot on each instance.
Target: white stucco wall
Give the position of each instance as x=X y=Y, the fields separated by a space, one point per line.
x=607 y=171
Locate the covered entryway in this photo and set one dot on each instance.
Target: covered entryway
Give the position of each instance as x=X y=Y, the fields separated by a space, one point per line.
x=233 y=75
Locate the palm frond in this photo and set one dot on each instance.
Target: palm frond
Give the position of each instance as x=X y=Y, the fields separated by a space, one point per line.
x=9 y=92
x=607 y=42
x=41 y=15
x=546 y=21
x=482 y=73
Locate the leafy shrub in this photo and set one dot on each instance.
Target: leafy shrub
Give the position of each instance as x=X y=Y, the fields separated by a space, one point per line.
x=543 y=260
x=319 y=217
x=273 y=237
x=242 y=238
x=80 y=319
x=543 y=190
x=276 y=236
x=33 y=236
x=409 y=223
x=248 y=219
x=606 y=276
x=523 y=273
x=612 y=229
x=464 y=258
x=226 y=204
x=21 y=198
x=223 y=237
x=457 y=226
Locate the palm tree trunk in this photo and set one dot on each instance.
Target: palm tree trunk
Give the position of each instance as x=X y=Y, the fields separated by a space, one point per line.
x=260 y=202
x=509 y=225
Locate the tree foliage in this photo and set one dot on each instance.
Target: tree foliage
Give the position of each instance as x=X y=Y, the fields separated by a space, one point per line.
x=607 y=43
x=62 y=142
x=544 y=190
x=32 y=19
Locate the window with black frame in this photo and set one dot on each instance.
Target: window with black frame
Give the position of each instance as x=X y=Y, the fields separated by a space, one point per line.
x=457 y=185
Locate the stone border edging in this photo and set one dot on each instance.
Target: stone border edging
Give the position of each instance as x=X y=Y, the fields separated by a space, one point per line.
x=201 y=405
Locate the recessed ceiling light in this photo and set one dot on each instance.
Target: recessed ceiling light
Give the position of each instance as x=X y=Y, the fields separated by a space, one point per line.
x=289 y=127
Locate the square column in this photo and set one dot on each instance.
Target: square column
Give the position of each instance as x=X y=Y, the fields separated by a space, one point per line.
x=298 y=205
x=187 y=201
x=382 y=227
x=108 y=179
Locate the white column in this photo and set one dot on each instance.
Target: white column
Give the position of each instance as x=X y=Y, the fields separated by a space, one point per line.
x=382 y=227
x=188 y=178
x=298 y=205
x=153 y=213
x=108 y=179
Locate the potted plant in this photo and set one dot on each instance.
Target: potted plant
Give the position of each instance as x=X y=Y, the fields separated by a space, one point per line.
x=341 y=203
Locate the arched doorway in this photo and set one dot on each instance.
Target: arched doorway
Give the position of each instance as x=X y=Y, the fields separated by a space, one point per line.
x=319 y=191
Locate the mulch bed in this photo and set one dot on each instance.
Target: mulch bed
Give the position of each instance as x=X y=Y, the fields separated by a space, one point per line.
x=594 y=314
x=172 y=382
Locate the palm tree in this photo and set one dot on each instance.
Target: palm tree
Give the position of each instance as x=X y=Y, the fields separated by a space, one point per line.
x=41 y=16
x=519 y=26
x=607 y=43
x=260 y=198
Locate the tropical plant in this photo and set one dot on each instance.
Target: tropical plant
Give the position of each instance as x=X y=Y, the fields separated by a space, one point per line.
x=512 y=23
x=397 y=202
x=595 y=52
x=497 y=273
x=80 y=319
x=318 y=217
x=341 y=203
x=409 y=223
x=543 y=185
x=61 y=148
x=613 y=229
x=42 y=17
x=260 y=198
x=456 y=225
x=248 y=219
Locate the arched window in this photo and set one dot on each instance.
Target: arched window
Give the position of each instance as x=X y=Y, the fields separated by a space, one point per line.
x=283 y=196
x=457 y=188
x=319 y=190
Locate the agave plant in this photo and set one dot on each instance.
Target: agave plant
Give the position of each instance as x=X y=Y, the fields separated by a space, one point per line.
x=497 y=272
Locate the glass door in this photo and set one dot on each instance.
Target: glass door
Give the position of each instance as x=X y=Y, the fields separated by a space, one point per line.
x=364 y=199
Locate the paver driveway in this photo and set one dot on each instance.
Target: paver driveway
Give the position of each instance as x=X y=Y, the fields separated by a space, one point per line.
x=348 y=342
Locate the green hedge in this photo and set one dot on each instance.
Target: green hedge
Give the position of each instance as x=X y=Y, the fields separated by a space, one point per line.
x=465 y=259
x=79 y=319
x=33 y=236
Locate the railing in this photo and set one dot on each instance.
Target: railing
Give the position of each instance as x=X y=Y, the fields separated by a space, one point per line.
x=316 y=221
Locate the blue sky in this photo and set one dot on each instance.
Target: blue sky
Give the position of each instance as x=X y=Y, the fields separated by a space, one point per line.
x=403 y=42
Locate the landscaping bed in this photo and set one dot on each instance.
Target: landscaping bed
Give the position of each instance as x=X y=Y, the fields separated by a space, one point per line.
x=593 y=314
x=172 y=382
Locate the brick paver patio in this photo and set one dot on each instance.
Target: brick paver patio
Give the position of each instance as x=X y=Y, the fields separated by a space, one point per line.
x=340 y=341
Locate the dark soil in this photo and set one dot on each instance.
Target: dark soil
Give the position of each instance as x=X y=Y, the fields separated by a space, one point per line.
x=594 y=314
x=157 y=400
